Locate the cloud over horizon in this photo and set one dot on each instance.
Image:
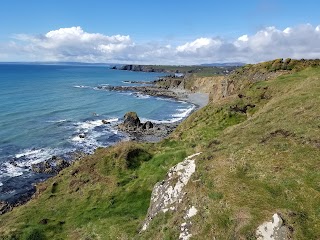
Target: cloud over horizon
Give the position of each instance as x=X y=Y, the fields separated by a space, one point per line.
x=74 y=44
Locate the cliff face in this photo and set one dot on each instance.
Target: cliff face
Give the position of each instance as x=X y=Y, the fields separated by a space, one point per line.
x=144 y=68
x=220 y=87
x=256 y=177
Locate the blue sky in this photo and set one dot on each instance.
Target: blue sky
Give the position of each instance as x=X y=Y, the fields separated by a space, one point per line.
x=206 y=25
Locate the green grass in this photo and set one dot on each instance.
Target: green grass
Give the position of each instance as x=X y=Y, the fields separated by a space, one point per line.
x=254 y=163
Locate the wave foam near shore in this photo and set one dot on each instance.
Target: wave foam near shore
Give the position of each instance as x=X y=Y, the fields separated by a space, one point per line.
x=183 y=112
x=88 y=132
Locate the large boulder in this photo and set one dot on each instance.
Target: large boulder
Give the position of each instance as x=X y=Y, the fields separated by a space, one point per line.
x=275 y=229
x=131 y=120
x=147 y=125
x=50 y=166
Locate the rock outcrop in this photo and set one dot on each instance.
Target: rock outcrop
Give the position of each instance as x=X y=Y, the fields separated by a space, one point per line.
x=145 y=131
x=143 y=68
x=273 y=230
x=131 y=123
x=185 y=226
x=147 y=125
x=166 y=195
x=5 y=207
x=50 y=166
x=104 y=121
x=145 y=90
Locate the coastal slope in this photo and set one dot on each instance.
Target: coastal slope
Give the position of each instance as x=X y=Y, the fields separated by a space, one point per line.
x=254 y=152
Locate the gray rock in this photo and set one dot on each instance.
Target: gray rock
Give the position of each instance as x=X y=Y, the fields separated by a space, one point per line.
x=168 y=193
x=50 y=166
x=131 y=120
x=105 y=121
x=5 y=207
x=147 y=125
x=273 y=230
x=82 y=135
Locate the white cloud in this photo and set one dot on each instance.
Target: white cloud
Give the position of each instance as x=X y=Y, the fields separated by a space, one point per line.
x=287 y=30
x=243 y=38
x=198 y=44
x=74 y=44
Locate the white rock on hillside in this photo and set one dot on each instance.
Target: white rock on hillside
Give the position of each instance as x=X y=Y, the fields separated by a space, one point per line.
x=273 y=230
x=185 y=227
x=169 y=192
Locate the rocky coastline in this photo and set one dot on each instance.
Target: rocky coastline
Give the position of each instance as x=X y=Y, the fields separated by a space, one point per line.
x=154 y=91
x=145 y=131
x=143 y=68
x=132 y=126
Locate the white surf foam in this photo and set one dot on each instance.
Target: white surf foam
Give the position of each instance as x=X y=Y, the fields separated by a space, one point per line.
x=158 y=121
x=57 y=121
x=81 y=86
x=183 y=113
x=98 y=88
x=33 y=156
x=88 y=143
x=86 y=134
x=28 y=152
x=141 y=96
x=171 y=100
x=1 y=184
x=112 y=120
x=114 y=131
x=10 y=170
x=26 y=158
x=88 y=125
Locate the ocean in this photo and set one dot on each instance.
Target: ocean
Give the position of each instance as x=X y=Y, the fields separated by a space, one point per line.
x=45 y=107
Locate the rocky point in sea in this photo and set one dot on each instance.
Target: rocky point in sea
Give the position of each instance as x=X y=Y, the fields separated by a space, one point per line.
x=145 y=131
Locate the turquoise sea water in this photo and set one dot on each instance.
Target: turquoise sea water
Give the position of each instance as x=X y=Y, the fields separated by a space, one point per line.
x=44 y=108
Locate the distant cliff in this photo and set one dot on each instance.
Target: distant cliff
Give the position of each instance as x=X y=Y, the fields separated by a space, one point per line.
x=204 y=70
x=145 y=68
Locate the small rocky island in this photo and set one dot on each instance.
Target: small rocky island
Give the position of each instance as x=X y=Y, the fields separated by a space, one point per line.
x=145 y=131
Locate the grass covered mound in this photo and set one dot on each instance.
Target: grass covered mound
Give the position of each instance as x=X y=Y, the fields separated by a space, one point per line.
x=261 y=155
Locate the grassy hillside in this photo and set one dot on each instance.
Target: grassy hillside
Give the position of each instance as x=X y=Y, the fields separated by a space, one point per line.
x=261 y=155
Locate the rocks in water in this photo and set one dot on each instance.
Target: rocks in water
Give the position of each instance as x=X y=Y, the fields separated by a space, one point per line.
x=105 y=121
x=61 y=164
x=82 y=135
x=145 y=90
x=147 y=131
x=273 y=230
x=147 y=125
x=131 y=120
x=50 y=166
